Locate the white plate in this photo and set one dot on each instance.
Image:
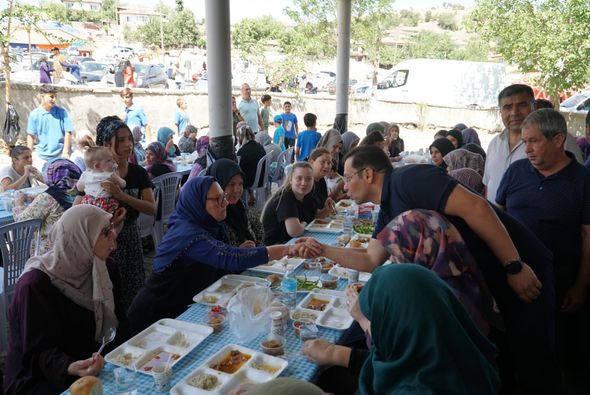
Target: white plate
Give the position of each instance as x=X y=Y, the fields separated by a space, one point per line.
x=259 y=368
x=333 y=314
x=279 y=266
x=170 y=336
x=325 y=225
x=342 y=272
x=221 y=291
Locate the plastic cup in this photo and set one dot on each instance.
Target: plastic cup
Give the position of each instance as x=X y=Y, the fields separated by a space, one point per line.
x=125 y=381
x=216 y=321
x=273 y=345
x=162 y=373
x=308 y=331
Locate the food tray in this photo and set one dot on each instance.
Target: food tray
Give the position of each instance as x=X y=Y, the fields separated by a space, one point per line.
x=221 y=291
x=165 y=339
x=342 y=272
x=334 y=314
x=326 y=225
x=359 y=241
x=345 y=204
x=279 y=266
x=259 y=368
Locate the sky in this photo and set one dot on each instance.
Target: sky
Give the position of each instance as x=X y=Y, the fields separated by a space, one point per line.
x=240 y=9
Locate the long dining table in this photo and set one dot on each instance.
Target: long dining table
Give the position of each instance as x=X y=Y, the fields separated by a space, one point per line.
x=299 y=366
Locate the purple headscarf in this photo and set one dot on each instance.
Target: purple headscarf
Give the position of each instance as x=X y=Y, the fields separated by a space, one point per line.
x=161 y=156
x=470 y=136
x=61 y=176
x=470 y=178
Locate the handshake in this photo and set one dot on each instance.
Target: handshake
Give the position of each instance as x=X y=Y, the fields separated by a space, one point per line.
x=306 y=247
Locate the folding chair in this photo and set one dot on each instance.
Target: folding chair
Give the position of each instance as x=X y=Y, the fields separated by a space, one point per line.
x=168 y=185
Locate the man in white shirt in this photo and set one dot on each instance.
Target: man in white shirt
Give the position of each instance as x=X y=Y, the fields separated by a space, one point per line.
x=515 y=102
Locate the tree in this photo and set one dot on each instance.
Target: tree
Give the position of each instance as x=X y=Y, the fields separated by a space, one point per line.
x=549 y=37
x=430 y=45
x=447 y=21
x=251 y=36
x=179 y=5
x=180 y=30
x=476 y=50
x=109 y=10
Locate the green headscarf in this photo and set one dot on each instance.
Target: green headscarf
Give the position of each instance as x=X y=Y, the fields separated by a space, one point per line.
x=423 y=340
x=163 y=136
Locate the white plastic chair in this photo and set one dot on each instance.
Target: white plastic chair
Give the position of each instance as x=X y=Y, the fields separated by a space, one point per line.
x=168 y=185
x=284 y=159
x=262 y=172
x=147 y=222
x=16 y=240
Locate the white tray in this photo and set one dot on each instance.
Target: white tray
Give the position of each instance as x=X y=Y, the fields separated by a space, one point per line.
x=333 y=316
x=221 y=291
x=279 y=266
x=248 y=372
x=345 y=204
x=342 y=272
x=326 y=225
x=359 y=237
x=166 y=335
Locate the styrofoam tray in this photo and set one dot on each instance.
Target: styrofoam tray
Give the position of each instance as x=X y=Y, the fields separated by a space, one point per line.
x=332 y=315
x=221 y=291
x=279 y=266
x=345 y=204
x=250 y=371
x=365 y=239
x=342 y=272
x=165 y=339
x=326 y=225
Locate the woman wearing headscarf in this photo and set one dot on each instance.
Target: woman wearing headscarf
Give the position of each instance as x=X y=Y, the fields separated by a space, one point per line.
x=332 y=141
x=201 y=162
x=438 y=149
x=44 y=71
x=137 y=156
x=470 y=136
x=188 y=140
x=157 y=161
x=472 y=147
x=250 y=153
x=63 y=304
x=61 y=177
x=194 y=254
x=424 y=342
x=396 y=143
x=455 y=137
x=243 y=224
x=470 y=178
x=137 y=197
x=349 y=141
x=166 y=138
x=460 y=158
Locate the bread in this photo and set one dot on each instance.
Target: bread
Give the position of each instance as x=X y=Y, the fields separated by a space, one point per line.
x=88 y=385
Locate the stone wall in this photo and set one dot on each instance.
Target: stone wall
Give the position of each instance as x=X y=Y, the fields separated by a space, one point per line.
x=86 y=105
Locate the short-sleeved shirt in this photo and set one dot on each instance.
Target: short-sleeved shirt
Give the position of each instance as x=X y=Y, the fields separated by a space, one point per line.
x=49 y=128
x=282 y=206
x=279 y=132
x=289 y=122
x=307 y=142
x=135 y=117
x=12 y=175
x=265 y=114
x=137 y=180
x=320 y=193
x=181 y=119
x=553 y=207
x=249 y=110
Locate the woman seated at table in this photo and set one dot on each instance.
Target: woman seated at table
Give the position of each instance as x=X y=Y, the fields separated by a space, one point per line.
x=243 y=224
x=201 y=162
x=63 y=305
x=374 y=138
x=61 y=176
x=166 y=138
x=424 y=342
x=291 y=208
x=21 y=173
x=321 y=163
x=438 y=149
x=157 y=161
x=249 y=155
x=137 y=156
x=193 y=254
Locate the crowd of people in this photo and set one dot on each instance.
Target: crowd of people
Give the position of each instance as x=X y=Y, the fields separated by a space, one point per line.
x=490 y=250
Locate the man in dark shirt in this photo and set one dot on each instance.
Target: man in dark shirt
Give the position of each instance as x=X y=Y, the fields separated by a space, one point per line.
x=549 y=192
x=523 y=291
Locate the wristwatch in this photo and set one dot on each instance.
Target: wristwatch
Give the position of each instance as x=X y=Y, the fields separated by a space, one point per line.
x=513 y=267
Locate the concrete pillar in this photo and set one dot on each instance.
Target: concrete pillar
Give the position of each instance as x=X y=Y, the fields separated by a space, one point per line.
x=219 y=78
x=342 y=64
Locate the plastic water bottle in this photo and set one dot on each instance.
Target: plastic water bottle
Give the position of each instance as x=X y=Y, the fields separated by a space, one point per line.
x=375 y=214
x=289 y=288
x=347 y=226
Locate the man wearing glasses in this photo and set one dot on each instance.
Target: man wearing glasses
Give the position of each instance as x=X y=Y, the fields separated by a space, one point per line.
x=500 y=245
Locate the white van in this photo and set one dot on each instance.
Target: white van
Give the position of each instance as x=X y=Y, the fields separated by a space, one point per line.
x=453 y=83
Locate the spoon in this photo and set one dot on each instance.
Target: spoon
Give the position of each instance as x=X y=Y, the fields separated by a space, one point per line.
x=108 y=337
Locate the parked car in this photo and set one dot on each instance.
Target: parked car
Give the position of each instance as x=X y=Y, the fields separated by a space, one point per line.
x=147 y=76
x=93 y=71
x=578 y=102
x=122 y=53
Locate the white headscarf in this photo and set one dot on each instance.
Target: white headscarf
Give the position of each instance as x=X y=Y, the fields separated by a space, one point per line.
x=73 y=267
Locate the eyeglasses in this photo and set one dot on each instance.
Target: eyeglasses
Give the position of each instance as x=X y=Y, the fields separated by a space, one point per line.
x=219 y=199
x=349 y=178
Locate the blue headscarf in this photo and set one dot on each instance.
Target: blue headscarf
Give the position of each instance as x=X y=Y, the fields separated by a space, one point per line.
x=164 y=134
x=189 y=220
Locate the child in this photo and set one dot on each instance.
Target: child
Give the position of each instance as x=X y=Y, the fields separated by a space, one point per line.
x=181 y=118
x=279 y=136
x=265 y=111
x=134 y=115
x=290 y=125
x=100 y=167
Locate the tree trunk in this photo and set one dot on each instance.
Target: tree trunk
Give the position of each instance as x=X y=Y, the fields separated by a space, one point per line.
x=6 y=55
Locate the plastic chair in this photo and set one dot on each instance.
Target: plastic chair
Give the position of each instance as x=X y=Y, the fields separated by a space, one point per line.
x=147 y=222
x=285 y=158
x=262 y=172
x=16 y=240
x=168 y=185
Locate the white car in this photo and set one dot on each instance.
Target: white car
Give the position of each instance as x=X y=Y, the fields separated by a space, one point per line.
x=578 y=102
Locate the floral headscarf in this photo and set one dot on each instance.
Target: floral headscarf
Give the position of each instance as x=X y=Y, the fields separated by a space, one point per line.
x=161 y=156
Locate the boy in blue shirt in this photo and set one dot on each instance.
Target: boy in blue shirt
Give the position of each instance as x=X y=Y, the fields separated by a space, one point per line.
x=279 y=136
x=290 y=125
x=308 y=139
x=49 y=127
x=135 y=116
x=181 y=117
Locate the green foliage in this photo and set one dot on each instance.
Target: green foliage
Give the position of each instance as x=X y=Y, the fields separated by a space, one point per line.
x=179 y=5
x=430 y=45
x=409 y=17
x=63 y=14
x=545 y=36
x=428 y=16
x=251 y=36
x=109 y=10
x=447 y=21
x=180 y=30
x=476 y=50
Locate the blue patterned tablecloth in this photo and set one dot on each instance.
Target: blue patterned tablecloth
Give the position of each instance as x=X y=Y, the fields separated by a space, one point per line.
x=299 y=367
x=5 y=217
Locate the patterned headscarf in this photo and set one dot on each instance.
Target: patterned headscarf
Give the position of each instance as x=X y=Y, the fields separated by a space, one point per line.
x=470 y=136
x=470 y=178
x=107 y=128
x=329 y=139
x=61 y=176
x=161 y=156
x=460 y=158
x=137 y=135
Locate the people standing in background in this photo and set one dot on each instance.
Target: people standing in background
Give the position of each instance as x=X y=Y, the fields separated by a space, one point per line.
x=44 y=71
x=181 y=117
x=290 y=125
x=134 y=115
x=179 y=76
x=49 y=127
x=308 y=139
x=58 y=69
x=128 y=77
x=249 y=109
x=265 y=111
x=236 y=117
x=279 y=136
